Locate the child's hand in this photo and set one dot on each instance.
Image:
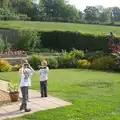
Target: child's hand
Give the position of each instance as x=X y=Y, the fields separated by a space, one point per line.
x=29 y=66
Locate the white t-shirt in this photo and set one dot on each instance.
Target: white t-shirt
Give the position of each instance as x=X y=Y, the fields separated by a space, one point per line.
x=44 y=74
x=25 y=77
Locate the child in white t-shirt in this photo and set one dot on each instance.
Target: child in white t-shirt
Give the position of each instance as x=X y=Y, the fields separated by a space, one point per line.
x=26 y=72
x=43 y=78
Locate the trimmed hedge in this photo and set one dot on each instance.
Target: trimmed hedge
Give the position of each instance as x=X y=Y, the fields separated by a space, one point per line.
x=67 y=40
x=59 y=40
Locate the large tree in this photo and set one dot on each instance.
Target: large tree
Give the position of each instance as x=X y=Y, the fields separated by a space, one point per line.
x=91 y=13
x=115 y=14
x=59 y=9
x=52 y=7
x=70 y=13
x=105 y=15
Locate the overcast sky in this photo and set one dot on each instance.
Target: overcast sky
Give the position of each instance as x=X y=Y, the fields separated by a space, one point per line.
x=81 y=4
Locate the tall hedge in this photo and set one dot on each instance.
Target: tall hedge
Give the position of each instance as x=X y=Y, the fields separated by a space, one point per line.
x=59 y=40
x=66 y=40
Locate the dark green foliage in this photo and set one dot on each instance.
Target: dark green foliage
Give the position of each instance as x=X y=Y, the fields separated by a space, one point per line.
x=29 y=40
x=52 y=62
x=59 y=40
x=35 y=61
x=62 y=40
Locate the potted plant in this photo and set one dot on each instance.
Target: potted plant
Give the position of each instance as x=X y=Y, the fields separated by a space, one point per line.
x=13 y=92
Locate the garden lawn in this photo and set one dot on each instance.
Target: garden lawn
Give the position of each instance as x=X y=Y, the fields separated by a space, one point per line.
x=95 y=95
x=50 y=26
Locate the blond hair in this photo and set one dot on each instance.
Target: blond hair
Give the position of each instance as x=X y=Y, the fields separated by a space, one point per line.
x=44 y=63
x=23 y=61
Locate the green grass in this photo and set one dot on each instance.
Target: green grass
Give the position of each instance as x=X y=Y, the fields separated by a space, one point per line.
x=49 y=26
x=95 y=95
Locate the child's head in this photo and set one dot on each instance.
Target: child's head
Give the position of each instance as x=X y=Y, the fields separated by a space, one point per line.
x=44 y=63
x=23 y=61
x=26 y=65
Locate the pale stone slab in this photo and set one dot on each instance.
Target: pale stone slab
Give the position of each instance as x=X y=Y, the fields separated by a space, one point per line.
x=36 y=104
x=57 y=101
x=4 y=85
x=44 y=103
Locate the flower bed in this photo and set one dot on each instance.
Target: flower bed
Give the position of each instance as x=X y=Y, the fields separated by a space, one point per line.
x=11 y=54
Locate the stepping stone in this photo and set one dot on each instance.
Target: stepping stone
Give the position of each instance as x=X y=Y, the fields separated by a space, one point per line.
x=2 y=112
x=44 y=103
x=57 y=101
x=35 y=107
x=11 y=108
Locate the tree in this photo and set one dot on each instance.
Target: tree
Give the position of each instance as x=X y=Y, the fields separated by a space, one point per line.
x=52 y=7
x=59 y=10
x=91 y=13
x=105 y=15
x=81 y=16
x=100 y=8
x=26 y=7
x=70 y=13
x=115 y=14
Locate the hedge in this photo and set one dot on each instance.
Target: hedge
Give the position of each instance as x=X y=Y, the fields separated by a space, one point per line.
x=67 y=40
x=59 y=40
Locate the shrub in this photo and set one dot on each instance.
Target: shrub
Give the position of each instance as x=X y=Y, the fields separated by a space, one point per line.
x=103 y=63
x=83 y=64
x=52 y=62
x=94 y=55
x=16 y=67
x=23 y=17
x=64 y=61
x=69 y=59
x=4 y=66
x=35 y=61
x=29 y=40
x=77 y=54
x=116 y=56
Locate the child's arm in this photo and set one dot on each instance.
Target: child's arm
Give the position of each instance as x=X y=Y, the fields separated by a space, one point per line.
x=47 y=70
x=32 y=70
x=21 y=71
x=40 y=71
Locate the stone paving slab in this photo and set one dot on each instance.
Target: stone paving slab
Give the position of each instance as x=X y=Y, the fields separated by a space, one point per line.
x=36 y=104
x=44 y=103
x=57 y=101
x=32 y=94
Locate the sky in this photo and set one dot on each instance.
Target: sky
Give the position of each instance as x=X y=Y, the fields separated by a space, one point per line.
x=81 y=4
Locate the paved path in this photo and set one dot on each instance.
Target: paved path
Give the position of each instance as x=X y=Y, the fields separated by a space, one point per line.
x=36 y=104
